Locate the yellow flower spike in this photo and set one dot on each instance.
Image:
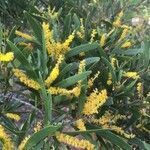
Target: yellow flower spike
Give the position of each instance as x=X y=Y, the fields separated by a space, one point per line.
x=124 y=34
x=140 y=89
x=109 y=81
x=81 y=66
x=6 y=57
x=94 y=101
x=91 y=80
x=5 y=139
x=133 y=75
x=127 y=44
x=103 y=39
x=37 y=127
x=54 y=73
x=114 y=61
x=117 y=22
x=23 y=142
x=24 y=79
x=93 y=34
x=48 y=35
x=80 y=125
x=24 y=35
x=13 y=116
x=73 y=141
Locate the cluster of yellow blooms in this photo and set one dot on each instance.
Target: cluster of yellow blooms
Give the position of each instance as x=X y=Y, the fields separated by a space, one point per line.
x=37 y=127
x=23 y=143
x=56 y=48
x=73 y=141
x=91 y=80
x=140 y=89
x=24 y=79
x=54 y=73
x=57 y=90
x=127 y=44
x=109 y=80
x=5 y=139
x=81 y=32
x=117 y=22
x=124 y=34
x=93 y=34
x=108 y=121
x=80 y=125
x=7 y=57
x=103 y=39
x=133 y=75
x=94 y=101
x=24 y=35
x=13 y=116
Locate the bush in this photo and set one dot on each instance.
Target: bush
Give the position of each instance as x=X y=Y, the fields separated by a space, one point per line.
x=72 y=80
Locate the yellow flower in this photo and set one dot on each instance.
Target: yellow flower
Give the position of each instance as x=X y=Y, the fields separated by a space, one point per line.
x=48 y=35
x=126 y=44
x=117 y=22
x=133 y=75
x=81 y=66
x=81 y=32
x=24 y=79
x=56 y=91
x=94 y=101
x=5 y=139
x=26 y=45
x=103 y=40
x=13 y=116
x=139 y=89
x=54 y=73
x=23 y=143
x=24 y=35
x=73 y=141
x=7 y=57
x=114 y=61
x=80 y=125
x=93 y=34
x=124 y=34
x=91 y=80
x=126 y=27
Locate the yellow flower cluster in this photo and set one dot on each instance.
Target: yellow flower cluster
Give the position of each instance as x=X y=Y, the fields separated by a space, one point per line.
x=54 y=73
x=80 y=125
x=94 y=101
x=117 y=22
x=5 y=139
x=72 y=141
x=133 y=75
x=7 y=57
x=13 y=116
x=114 y=61
x=81 y=66
x=139 y=89
x=24 y=79
x=93 y=34
x=103 y=40
x=37 y=127
x=56 y=90
x=56 y=48
x=24 y=35
x=23 y=143
x=91 y=80
x=124 y=34
x=81 y=32
x=127 y=44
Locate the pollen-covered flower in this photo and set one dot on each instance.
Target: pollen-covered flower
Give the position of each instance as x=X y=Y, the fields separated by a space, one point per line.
x=81 y=32
x=13 y=116
x=140 y=89
x=80 y=125
x=133 y=75
x=24 y=79
x=75 y=142
x=126 y=44
x=94 y=101
x=7 y=57
x=23 y=143
x=103 y=40
x=54 y=73
x=5 y=139
x=117 y=22
x=24 y=35
x=93 y=34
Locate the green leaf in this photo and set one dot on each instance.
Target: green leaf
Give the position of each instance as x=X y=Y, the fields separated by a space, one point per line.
x=83 y=48
x=40 y=135
x=36 y=27
x=73 y=79
x=146 y=53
